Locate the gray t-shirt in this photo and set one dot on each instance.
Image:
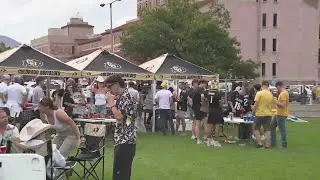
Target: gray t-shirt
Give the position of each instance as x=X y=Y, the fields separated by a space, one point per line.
x=37 y=96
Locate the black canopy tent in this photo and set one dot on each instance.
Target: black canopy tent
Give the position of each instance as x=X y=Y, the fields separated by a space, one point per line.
x=171 y=67
x=104 y=63
x=25 y=60
x=168 y=66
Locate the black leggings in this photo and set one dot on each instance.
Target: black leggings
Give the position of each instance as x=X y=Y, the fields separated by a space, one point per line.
x=122 y=162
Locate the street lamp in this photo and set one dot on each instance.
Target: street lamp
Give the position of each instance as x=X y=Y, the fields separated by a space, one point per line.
x=111 y=31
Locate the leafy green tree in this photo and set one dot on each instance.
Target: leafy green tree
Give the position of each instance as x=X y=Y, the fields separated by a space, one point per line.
x=3 y=47
x=181 y=29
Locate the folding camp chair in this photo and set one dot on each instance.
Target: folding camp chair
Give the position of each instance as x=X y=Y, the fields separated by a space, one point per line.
x=91 y=153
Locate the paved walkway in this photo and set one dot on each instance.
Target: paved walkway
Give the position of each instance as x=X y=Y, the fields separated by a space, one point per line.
x=305 y=110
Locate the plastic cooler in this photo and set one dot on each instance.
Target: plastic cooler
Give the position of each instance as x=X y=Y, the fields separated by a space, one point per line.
x=22 y=166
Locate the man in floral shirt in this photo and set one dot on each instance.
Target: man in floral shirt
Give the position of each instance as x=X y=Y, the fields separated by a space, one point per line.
x=123 y=108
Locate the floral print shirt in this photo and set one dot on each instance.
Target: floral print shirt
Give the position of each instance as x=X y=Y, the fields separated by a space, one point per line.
x=125 y=132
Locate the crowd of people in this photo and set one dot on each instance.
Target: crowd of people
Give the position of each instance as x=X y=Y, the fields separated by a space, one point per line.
x=202 y=103
x=57 y=112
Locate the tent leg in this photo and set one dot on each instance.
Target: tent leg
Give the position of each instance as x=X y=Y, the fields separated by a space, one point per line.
x=153 y=107
x=48 y=87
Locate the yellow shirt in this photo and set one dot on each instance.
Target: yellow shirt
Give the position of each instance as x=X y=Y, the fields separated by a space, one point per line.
x=318 y=92
x=283 y=97
x=265 y=101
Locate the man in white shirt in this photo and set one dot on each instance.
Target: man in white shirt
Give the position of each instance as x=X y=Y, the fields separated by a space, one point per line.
x=5 y=80
x=164 y=98
x=133 y=92
x=17 y=95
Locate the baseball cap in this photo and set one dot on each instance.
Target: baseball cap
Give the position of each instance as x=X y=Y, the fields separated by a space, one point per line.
x=6 y=77
x=164 y=85
x=265 y=83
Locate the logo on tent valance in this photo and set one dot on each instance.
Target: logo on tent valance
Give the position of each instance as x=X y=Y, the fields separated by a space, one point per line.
x=178 y=69
x=149 y=68
x=111 y=65
x=32 y=63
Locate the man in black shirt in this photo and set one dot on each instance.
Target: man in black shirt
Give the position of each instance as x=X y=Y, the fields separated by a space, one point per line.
x=235 y=102
x=190 y=110
x=215 y=117
x=182 y=107
x=246 y=104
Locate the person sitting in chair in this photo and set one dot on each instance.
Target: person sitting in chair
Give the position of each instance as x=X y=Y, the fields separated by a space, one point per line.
x=32 y=140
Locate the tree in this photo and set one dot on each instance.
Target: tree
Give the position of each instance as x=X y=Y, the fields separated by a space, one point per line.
x=3 y=47
x=181 y=29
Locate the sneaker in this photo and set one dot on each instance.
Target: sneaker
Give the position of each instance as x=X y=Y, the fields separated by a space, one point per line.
x=193 y=137
x=199 y=141
x=210 y=142
x=253 y=137
x=259 y=146
x=216 y=143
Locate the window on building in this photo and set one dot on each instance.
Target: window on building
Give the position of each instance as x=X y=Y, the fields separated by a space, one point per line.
x=263 y=69
x=319 y=55
x=263 y=45
x=73 y=50
x=275 y=20
x=275 y=1
x=274 y=69
x=274 y=45
x=264 y=20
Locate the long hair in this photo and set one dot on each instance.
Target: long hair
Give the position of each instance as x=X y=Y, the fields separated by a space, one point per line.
x=47 y=102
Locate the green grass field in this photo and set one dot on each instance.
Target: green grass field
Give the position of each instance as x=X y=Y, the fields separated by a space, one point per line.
x=180 y=158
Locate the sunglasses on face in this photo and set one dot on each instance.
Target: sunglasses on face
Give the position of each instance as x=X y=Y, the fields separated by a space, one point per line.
x=110 y=85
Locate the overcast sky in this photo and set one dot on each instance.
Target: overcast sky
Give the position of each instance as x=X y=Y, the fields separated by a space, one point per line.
x=24 y=20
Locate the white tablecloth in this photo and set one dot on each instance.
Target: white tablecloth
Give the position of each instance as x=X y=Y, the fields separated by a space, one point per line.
x=100 y=120
x=236 y=120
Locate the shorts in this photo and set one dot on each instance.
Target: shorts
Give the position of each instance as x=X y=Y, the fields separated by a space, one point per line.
x=101 y=109
x=190 y=113
x=264 y=121
x=181 y=114
x=215 y=117
x=199 y=115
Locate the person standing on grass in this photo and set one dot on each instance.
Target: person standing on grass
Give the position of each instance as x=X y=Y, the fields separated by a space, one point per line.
x=204 y=109
x=262 y=109
x=123 y=108
x=282 y=113
x=318 y=93
x=196 y=107
x=182 y=107
x=164 y=98
x=190 y=110
x=215 y=118
x=37 y=95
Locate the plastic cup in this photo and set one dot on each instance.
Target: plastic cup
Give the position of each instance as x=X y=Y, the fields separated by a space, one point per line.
x=3 y=149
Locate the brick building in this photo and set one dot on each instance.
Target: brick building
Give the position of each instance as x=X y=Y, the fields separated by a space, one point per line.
x=282 y=35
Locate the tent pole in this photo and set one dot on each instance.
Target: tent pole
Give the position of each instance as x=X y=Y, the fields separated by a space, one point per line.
x=47 y=87
x=226 y=93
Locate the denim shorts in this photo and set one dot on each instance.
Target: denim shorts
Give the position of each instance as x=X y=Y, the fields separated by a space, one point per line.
x=101 y=109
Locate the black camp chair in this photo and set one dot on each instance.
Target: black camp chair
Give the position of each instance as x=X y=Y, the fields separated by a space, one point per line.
x=93 y=152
